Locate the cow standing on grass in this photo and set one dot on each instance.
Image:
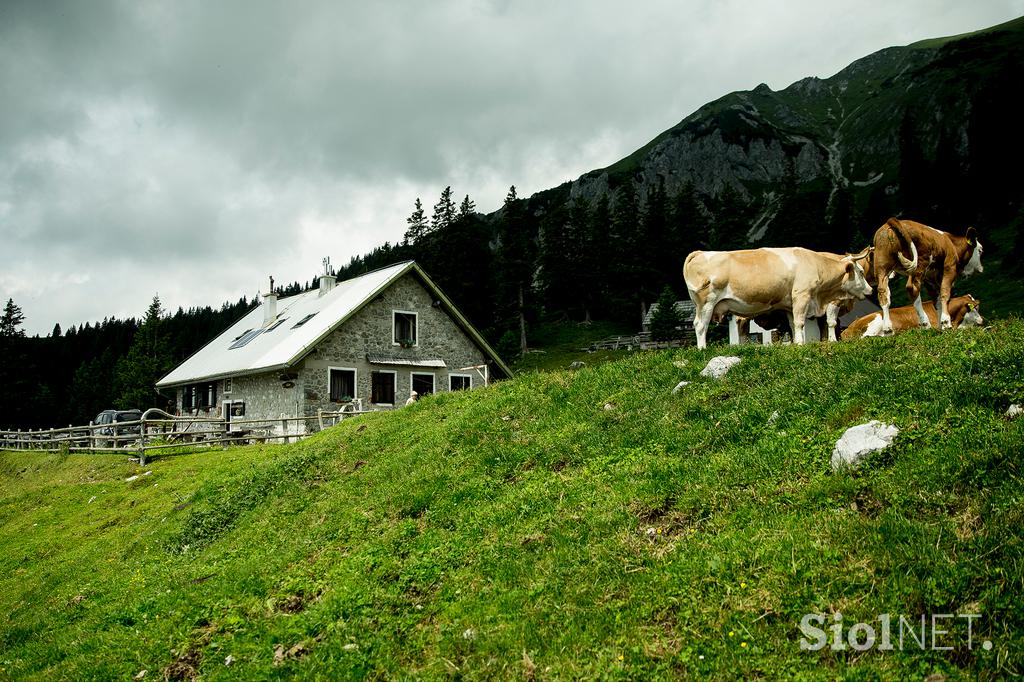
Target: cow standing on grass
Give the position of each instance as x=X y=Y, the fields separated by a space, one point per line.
x=754 y=281
x=936 y=259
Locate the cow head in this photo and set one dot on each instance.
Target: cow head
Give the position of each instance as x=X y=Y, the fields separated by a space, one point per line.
x=855 y=283
x=973 y=316
x=975 y=249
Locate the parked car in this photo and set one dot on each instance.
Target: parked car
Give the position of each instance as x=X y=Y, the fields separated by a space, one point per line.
x=114 y=418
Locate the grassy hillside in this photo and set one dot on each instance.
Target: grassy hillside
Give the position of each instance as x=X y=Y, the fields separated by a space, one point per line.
x=583 y=524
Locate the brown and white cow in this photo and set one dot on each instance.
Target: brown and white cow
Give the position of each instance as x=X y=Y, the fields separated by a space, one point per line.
x=936 y=259
x=754 y=281
x=963 y=311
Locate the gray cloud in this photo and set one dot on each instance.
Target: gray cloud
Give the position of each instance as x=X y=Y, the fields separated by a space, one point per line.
x=192 y=148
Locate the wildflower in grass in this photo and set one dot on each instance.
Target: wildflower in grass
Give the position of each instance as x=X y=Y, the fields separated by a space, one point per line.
x=743 y=584
x=732 y=633
x=743 y=644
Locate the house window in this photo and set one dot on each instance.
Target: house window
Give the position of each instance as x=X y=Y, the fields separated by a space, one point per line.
x=343 y=384
x=460 y=382
x=382 y=388
x=423 y=383
x=404 y=325
x=227 y=385
x=199 y=396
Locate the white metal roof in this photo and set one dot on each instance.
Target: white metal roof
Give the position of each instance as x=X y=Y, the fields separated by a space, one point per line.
x=281 y=345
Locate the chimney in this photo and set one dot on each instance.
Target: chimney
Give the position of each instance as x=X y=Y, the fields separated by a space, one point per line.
x=269 y=305
x=326 y=280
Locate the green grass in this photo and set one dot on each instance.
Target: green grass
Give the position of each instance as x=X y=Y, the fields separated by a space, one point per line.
x=561 y=525
x=556 y=345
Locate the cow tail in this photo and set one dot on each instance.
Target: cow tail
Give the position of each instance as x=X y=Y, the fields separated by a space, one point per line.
x=705 y=284
x=906 y=244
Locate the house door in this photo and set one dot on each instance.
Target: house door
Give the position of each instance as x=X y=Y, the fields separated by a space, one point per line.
x=225 y=410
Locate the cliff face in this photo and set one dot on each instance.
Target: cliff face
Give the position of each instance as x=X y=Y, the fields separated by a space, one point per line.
x=918 y=128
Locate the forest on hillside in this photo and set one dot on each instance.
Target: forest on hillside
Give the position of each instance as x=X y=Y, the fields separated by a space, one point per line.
x=532 y=260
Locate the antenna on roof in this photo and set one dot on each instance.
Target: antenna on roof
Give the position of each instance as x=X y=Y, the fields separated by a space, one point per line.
x=327 y=265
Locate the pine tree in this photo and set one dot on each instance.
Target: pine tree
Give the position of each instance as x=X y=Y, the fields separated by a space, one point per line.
x=444 y=211
x=418 y=225
x=11 y=320
x=689 y=224
x=16 y=371
x=666 y=319
x=466 y=208
x=515 y=260
x=148 y=359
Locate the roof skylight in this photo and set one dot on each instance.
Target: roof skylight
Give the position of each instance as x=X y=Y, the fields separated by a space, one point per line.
x=303 y=321
x=245 y=338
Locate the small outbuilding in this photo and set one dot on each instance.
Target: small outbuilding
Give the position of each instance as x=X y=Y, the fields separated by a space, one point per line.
x=369 y=341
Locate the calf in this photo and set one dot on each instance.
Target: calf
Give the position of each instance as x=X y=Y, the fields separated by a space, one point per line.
x=937 y=258
x=963 y=311
x=754 y=281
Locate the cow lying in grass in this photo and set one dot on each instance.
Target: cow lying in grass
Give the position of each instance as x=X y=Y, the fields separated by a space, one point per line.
x=963 y=310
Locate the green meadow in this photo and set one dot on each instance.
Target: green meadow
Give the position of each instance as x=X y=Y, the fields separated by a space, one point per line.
x=568 y=524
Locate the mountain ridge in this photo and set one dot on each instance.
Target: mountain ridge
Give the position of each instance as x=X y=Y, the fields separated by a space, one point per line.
x=851 y=132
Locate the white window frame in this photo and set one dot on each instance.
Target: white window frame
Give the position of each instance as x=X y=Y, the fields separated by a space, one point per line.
x=355 y=382
x=227 y=386
x=394 y=381
x=457 y=374
x=416 y=318
x=433 y=380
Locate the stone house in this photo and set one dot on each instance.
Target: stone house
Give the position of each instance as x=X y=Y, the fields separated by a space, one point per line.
x=367 y=341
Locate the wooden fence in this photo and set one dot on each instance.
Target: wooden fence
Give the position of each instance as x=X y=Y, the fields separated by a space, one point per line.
x=157 y=430
x=641 y=341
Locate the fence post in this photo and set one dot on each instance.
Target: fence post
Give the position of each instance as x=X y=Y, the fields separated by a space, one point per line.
x=284 y=430
x=142 y=443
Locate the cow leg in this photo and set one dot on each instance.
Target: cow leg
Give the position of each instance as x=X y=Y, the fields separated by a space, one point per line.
x=942 y=303
x=832 y=317
x=883 y=300
x=798 y=317
x=914 y=293
x=922 y=316
x=701 y=321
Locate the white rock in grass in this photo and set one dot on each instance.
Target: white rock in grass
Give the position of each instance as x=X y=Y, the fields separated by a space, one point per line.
x=1014 y=411
x=719 y=366
x=680 y=386
x=860 y=441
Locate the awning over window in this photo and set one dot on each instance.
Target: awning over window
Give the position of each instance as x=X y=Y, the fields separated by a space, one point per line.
x=381 y=359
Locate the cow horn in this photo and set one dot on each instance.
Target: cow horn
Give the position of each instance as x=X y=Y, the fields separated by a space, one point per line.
x=909 y=265
x=862 y=255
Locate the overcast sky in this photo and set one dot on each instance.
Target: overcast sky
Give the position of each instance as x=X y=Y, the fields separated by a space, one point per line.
x=191 y=149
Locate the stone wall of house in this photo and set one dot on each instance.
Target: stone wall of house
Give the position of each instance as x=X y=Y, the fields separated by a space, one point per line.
x=370 y=331
x=265 y=397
